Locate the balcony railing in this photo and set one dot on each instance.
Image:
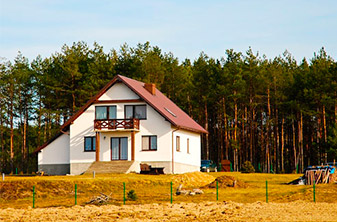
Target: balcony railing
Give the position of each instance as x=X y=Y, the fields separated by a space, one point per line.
x=114 y=124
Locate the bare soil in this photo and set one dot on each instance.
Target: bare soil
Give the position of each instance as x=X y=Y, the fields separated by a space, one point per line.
x=204 y=211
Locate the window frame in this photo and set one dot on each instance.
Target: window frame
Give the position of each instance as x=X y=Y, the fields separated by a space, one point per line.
x=178 y=144
x=93 y=138
x=188 y=145
x=107 y=111
x=133 y=111
x=149 y=137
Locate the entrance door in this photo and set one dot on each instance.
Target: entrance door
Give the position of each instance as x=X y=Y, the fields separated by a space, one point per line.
x=119 y=148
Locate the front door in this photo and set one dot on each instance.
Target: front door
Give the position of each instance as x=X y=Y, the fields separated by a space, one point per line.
x=119 y=148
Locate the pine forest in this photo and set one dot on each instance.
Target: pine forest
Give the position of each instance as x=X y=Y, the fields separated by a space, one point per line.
x=280 y=114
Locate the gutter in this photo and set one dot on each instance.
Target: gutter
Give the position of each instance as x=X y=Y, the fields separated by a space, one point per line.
x=173 y=149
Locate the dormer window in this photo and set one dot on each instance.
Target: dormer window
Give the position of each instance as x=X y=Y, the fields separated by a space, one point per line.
x=105 y=112
x=135 y=111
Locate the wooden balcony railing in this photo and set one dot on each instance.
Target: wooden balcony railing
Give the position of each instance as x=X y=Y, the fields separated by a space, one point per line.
x=113 y=124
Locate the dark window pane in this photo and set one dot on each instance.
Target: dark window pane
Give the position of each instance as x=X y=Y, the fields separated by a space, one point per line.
x=93 y=143
x=112 y=112
x=101 y=112
x=140 y=112
x=124 y=148
x=128 y=112
x=114 y=148
x=153 y=143
x=87 y=143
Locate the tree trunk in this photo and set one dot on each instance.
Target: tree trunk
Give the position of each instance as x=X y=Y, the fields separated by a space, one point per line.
x=2 y=139
x=11 y=117
x=268 y=139
x=276 y=130
x=206 y=128
x=294 y=143
x=226 y=127
x=325 y=135
x=25 y=152
x=282 y=145
x=318 y=137
x=235 y=133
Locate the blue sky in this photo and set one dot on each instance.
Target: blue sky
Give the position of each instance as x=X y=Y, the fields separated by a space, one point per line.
x=184 y=28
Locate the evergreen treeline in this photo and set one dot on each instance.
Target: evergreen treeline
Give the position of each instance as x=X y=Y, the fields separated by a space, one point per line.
x=276 y=113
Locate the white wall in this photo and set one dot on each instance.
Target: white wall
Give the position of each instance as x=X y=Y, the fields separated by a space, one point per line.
x=82 y=126
x=154 y=125
x=119 y=91
x=57 y=152
x=194 y=156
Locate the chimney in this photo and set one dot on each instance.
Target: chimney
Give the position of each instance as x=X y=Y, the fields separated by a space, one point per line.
x=151 y=88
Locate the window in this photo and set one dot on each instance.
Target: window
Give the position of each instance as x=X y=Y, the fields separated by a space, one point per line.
x=178 y=143
x=135 y=111
x=149 y=143
x=89 y=144
x=188 y=145
x=105 y=112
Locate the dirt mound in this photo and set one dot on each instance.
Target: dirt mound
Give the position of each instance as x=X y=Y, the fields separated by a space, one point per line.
x=227 y=181
x=195 y=179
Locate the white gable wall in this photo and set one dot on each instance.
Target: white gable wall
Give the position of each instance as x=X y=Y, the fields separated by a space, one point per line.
x=118 y=91
x=57 y=152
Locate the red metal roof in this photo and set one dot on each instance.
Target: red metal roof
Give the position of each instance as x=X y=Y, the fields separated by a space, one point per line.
x=163 y=105
x=168 y=109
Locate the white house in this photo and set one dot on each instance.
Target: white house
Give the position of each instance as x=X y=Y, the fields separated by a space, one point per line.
x=126 y=122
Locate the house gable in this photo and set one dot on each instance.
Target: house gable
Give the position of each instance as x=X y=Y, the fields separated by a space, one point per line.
x=119 y=91
x=123 y=89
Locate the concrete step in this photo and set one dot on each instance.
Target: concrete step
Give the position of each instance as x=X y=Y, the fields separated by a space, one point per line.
x=119 y=166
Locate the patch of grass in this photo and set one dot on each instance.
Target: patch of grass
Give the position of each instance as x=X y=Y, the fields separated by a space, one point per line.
x=16 y=192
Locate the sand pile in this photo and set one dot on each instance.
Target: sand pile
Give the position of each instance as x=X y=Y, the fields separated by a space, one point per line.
x=205 y=211
x=227 y=181
x=195 y=179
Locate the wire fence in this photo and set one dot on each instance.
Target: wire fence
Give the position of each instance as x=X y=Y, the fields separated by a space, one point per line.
x=126 y=193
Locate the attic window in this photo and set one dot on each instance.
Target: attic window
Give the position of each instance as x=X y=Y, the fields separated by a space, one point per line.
x=170 y=112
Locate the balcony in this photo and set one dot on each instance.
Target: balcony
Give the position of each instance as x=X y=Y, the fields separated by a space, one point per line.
x=116 y=124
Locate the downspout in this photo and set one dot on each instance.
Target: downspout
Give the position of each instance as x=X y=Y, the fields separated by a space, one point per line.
x=173 y=149
x=66 y=133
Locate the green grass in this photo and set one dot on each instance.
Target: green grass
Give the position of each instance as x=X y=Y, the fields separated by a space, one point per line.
x=16 y=192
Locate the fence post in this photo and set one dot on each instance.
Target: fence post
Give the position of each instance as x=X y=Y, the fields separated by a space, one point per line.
x=124 y=193
x=171 y=193
x=75 y=194
x=93 y=174
x=314 y=191
x=266 y=191
x=16 y=171
x=3 y=176
x=217 y=190
x=33 y=196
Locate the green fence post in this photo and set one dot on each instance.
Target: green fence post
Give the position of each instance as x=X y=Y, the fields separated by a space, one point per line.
x=124 y=193
x=217 y=190
x=171 y=193
x=33 y=196
x=314 y=191
x=259 y=167
x=75 y=194
x=231 y=167
x=297 y=168
x=266 y=191
x=16 y=171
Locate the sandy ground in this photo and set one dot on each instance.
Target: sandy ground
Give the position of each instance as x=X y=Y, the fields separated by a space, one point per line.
x=206 y=211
